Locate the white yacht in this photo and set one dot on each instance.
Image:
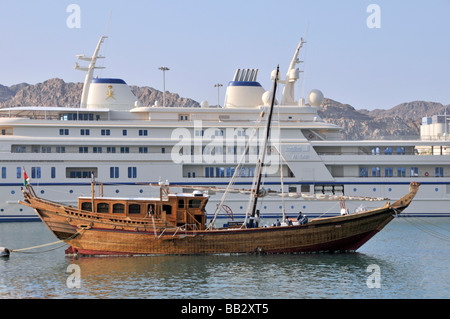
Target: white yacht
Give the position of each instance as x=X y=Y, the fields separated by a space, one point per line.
x=115 y=140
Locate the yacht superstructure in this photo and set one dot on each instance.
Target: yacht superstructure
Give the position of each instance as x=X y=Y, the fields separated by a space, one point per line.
x=112 y=138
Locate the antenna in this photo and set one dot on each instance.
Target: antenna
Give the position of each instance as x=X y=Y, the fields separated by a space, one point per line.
x=302 y=91
x=108 y=23
x=90 y=71
x=292 y=75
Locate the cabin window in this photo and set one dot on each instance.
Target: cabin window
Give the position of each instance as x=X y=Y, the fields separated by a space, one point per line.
x=305 y=188
x=195 y=203
x=151 y=209
x=60 y=149
x=118 y=208
x=114 y=172
x=134 y=209
x=132 y=172
x=363 y=172
x=86 y=206
x=35 y=172
x=181 y=203
x=81 y=172
x=401 y=172
x=167 y=209
x=103 y=208
x=414 y=172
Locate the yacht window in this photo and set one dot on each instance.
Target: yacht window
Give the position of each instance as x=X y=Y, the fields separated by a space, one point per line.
x=439 y=172
x=60 y=149
x=114 y=172
x=305 y=188
x=292 y=189
x=35 y=172
x=132 y=172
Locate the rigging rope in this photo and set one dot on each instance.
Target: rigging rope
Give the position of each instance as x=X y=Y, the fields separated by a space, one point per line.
x=235 y=175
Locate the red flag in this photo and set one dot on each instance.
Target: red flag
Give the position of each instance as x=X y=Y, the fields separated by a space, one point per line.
x=26 y=180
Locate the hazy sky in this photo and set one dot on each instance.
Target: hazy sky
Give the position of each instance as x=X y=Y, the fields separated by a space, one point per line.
x=203 y=42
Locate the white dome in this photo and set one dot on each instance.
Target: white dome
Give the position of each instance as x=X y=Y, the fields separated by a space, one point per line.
x=315 y=98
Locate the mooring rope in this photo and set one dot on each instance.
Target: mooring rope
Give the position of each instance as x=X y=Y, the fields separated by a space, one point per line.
x=426 y=227
x=22 y=250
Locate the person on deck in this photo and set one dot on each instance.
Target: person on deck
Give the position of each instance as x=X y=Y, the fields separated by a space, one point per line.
x=302 y=219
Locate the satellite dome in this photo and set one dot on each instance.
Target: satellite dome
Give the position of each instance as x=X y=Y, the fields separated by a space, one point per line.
x=315 y=98
x=267 y=98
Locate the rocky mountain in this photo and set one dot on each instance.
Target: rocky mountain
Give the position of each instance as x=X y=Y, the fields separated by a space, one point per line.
x=56 y=92
x=6 y=93
x=401 y=121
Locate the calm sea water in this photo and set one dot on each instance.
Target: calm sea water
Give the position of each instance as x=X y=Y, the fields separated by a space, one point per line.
x=404 y=261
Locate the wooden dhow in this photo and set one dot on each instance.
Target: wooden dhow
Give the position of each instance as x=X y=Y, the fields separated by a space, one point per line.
x=177 y=223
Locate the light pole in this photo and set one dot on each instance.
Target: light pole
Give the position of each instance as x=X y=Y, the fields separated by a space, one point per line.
x=164 y=69
x=218 y=85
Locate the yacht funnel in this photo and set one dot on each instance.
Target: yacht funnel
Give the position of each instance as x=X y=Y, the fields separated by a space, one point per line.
x=244 y=91
x=113 y=94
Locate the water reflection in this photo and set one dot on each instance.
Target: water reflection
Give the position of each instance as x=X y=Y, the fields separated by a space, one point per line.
x=224 y=276
x=412 y=265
